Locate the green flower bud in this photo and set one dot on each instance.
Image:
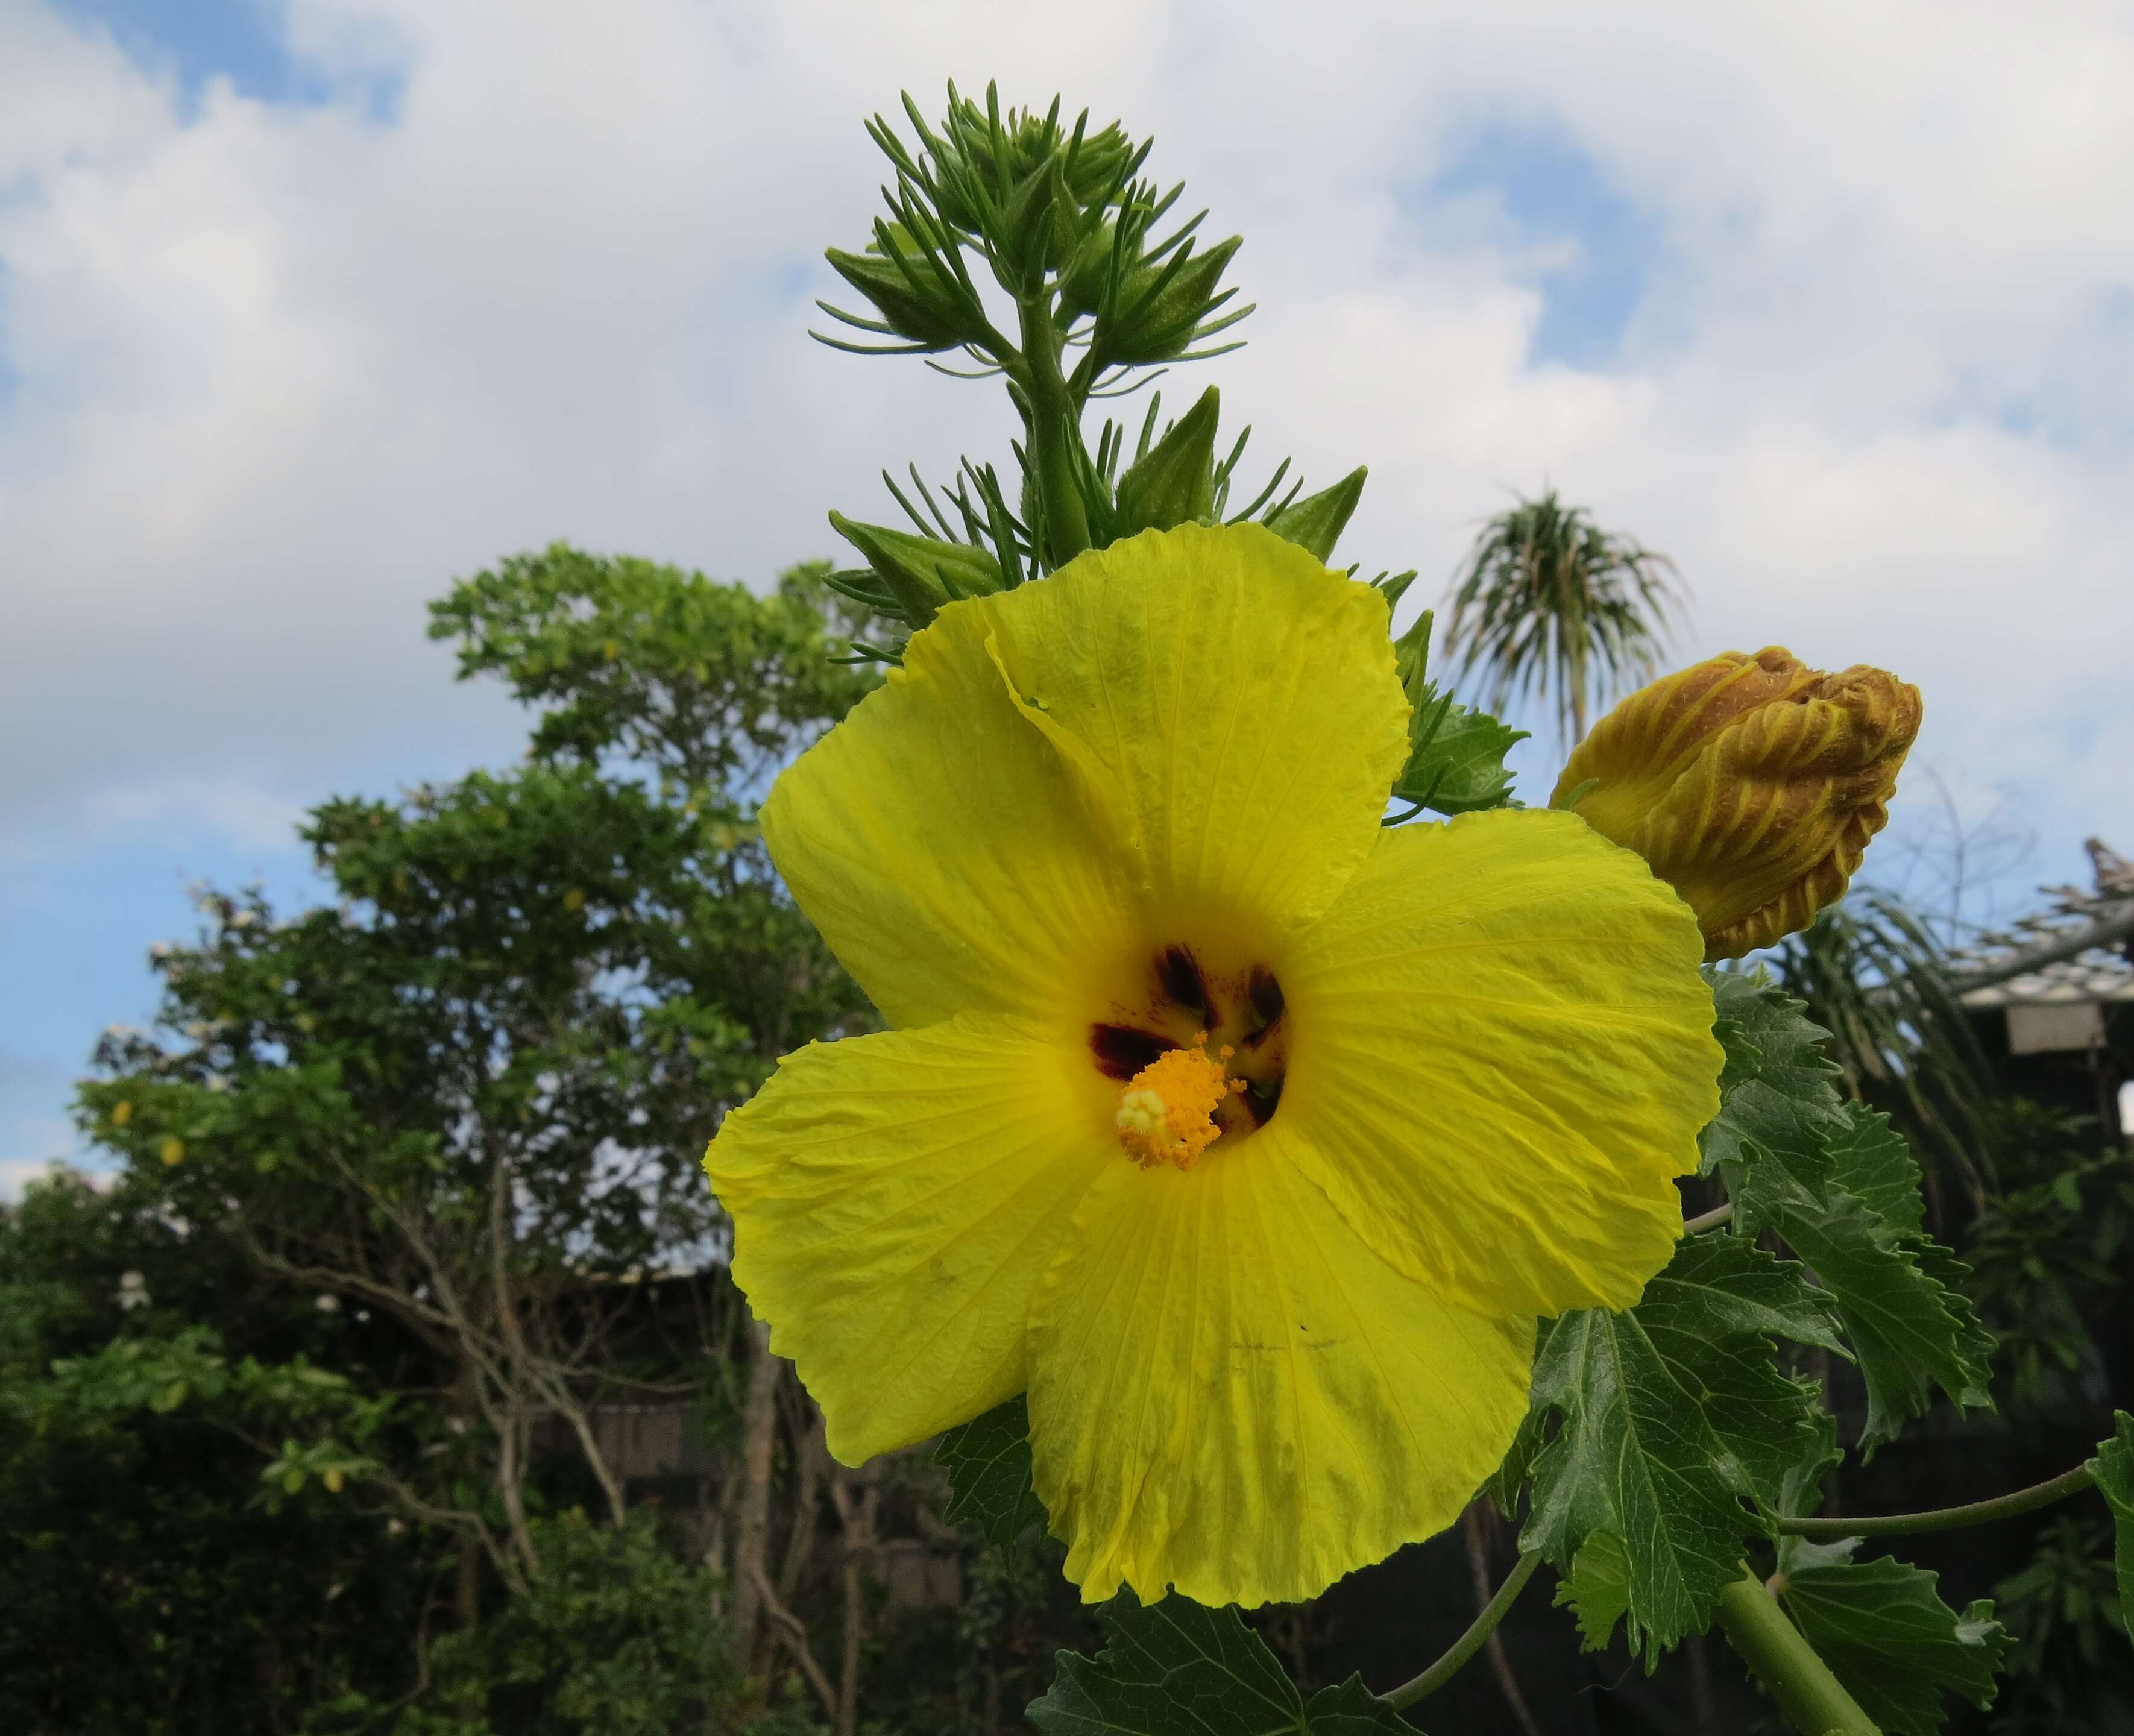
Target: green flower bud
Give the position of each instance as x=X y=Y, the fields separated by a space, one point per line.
x=1174 y=482
x=912 y=297
x=920 y=574
x=1317 y=521
x=1146 y=327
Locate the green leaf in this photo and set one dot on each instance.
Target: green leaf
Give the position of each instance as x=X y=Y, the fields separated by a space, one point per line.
x=1886 y=1633
x=1779 y=1110
x=1838 y=1184
x=1597 y=1589
x=1174 y=482
x=1873 y=1162
x=1456 y=762
x=1177 y=1667
x=1672 y=1415
x=987 y=1460
x=2113 y=1469
x=1800 y=1490
x=1317 y=521
x=1458 y=766
x=1899 y=1297
x=1349 y=1708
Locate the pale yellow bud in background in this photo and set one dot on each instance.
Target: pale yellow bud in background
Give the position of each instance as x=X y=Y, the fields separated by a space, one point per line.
x=1751 y=784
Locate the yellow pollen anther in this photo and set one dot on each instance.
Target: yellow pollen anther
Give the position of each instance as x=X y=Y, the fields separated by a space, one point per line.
x=1166 y=1113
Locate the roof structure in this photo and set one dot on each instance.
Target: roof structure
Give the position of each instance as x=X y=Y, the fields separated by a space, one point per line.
x=2078 y=951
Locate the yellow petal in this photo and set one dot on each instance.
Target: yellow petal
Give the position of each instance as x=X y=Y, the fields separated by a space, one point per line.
x=935 y=839
x=1192 y=731
x=1231 y=1394
x=1501 y=1056
x=895 y=1199
x=1240 y=701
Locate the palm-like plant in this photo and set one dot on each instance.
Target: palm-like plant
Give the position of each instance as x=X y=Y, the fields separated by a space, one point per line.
x=1547 y=604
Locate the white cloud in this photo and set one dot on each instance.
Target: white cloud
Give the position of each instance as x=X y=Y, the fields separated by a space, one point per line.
x=18 y=1172
x=282 y=373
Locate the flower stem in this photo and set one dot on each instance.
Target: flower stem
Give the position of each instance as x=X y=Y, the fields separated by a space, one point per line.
x=1814 y=1701
x=1710 y=1220
x=1470 y=1642
x=1945 y=1518
x=1054 y=427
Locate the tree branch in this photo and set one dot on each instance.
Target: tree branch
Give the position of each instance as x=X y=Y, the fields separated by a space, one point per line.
x=795 y=1633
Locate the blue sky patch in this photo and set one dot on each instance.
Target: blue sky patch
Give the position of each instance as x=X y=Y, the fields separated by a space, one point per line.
x=1542 y=192
x=246 y=41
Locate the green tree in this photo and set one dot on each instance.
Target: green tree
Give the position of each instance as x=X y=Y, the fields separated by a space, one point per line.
x=467 y=1099
x=1547 y=605
x=144 y=1584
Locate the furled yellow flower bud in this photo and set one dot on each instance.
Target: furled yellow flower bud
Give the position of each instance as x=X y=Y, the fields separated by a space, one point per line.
x=1752 y=785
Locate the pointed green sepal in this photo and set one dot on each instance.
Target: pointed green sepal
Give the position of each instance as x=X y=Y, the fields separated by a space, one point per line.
x=1150 y=323
x=1412 y=662
x=921 y=572
x=1082 y=283
x=1317 y=521
x=1174 y=482
x=935 y=320
x=1042 y=224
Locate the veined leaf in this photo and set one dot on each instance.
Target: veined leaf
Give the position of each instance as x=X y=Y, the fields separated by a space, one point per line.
x=2113 y=1469
x=987 y=1460
x=1779 y=1112
x=1179 y=1667
x=1838 y=1184
x=1886 y=1633
x=1456 y=762
x=1910 y=1326
x=1597 y=1589
x=1459 y=767
x=1873 y=1162
x=1673 y=1415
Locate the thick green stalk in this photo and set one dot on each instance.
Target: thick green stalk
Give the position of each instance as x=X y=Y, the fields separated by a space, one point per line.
x=1814 y=1701
x=1054 y=431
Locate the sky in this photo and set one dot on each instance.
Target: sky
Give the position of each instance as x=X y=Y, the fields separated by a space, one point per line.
x=309 y=306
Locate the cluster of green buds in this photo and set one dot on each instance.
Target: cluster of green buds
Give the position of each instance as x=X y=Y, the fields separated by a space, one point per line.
x=1036 y=251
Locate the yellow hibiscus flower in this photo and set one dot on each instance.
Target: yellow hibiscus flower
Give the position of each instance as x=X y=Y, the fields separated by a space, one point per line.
x=1248 y=1137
